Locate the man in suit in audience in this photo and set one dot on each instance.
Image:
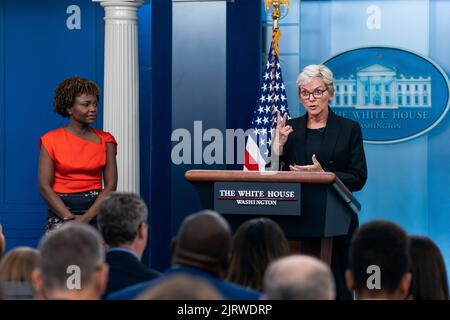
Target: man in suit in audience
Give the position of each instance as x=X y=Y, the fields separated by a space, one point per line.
x=379 y=262
x=122 y=221
x=72 y=264
x=201 y=250
x=299 y=277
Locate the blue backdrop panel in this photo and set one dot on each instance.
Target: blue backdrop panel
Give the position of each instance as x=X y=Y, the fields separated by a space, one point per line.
x=145 y=95
x=198 y=87
x=438 y=150
x=213 y=76
x=243 y=45
x=2 y=100
x=160 y=130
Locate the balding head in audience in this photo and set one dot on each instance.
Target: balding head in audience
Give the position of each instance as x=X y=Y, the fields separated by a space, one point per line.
x=72 y=264
x=203 y=241
x=379 y=262
x=299 y=277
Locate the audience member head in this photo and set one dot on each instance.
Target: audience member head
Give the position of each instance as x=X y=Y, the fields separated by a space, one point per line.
x=72 y=264
x=256 y=243
x=429 y=276
x=181 y=287
x=379 y=262
x=299 y=277
x=18 y=265
x=16 y=270
x=122 y=221
x=2 y=242
x=203 y=242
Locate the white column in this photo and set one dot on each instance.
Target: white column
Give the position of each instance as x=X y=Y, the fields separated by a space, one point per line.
x=121 y=87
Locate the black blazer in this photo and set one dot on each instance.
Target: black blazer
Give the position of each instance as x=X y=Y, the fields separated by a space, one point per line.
x=125 y=270
x=341 y=152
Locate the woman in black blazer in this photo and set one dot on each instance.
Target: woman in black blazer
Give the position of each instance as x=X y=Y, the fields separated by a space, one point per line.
x=323 y=141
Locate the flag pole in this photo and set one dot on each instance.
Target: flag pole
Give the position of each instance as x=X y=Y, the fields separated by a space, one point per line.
x=276 y=15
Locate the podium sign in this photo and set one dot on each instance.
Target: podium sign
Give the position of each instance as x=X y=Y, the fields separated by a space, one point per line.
x=257 y=198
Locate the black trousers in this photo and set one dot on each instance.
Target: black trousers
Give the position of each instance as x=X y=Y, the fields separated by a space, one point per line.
x=77 y=203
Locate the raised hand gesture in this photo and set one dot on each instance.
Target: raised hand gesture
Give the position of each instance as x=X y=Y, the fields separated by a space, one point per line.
x=282 y=132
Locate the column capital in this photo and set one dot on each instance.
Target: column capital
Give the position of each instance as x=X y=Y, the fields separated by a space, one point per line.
x=121 y=2
x=120 y=11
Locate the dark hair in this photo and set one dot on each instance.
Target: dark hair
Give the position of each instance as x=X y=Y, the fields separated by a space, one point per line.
x=429 y=276
x=68 y=90
x=256 y=243
x=203 y=242
x=120 y=216
x=383 y=244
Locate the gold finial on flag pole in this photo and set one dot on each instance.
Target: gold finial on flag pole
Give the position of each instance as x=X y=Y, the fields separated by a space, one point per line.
x=276 y=14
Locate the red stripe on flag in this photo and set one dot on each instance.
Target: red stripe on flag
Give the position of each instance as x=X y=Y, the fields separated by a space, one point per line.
x=250 y=163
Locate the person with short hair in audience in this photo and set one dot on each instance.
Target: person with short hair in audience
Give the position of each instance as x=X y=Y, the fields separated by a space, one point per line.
x=379 y=262
x=181 y=287
x=256 y=243
x=122 y=221
x=72 y=264
x=16 y=270
x=429 y=275
x=299 y=277
x=201 y=249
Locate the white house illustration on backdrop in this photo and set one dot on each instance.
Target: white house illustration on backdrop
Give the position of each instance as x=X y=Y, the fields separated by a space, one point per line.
x=378 y=87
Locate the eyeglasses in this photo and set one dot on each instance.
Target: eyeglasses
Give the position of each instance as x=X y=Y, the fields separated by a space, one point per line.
x=317 y=93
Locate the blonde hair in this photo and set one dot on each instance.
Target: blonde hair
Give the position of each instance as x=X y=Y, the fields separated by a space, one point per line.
x=18 y=265
x=316 y=71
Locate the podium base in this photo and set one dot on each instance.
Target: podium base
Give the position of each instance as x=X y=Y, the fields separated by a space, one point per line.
x=321 y=248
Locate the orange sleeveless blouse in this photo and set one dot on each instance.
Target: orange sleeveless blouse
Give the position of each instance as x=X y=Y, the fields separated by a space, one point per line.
x=78 y=163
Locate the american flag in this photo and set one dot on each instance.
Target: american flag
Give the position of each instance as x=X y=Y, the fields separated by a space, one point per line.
x=272 y=98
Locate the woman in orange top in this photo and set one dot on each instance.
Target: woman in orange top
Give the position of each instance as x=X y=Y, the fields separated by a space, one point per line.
x=75 y=159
